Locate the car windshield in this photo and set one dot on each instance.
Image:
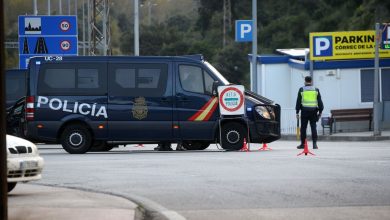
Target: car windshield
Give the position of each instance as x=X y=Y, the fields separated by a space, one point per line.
x=218 y=74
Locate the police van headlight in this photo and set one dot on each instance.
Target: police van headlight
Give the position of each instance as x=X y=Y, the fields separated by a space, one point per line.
x=263 y=112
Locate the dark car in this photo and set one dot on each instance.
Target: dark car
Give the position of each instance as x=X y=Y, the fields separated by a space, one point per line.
x=15 y=85
x=15 y=93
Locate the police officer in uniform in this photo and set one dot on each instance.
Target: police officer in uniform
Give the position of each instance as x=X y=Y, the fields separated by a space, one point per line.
x=310 y=104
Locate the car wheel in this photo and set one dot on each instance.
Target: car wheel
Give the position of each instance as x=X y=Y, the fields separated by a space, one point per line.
x=101 y=146
x=233 y=134
x=11 y=186
x=76 y=139
x=195 y=145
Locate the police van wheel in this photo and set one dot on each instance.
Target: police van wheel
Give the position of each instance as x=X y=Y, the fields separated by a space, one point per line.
x=76 y=139
x=233 y=134
x=195 y=145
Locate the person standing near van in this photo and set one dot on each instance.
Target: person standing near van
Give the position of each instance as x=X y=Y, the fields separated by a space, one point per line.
x=310 y=104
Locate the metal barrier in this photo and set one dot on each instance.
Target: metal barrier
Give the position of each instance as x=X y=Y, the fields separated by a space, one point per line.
x=288 y=122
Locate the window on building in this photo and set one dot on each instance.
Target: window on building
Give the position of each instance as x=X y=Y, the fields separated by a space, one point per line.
x=367 y=85
x=385 y=75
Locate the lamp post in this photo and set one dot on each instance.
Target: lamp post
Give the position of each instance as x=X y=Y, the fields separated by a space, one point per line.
x=136 y=28
x=254 y=47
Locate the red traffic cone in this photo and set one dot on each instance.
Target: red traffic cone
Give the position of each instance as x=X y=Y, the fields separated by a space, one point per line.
x=140 y=145
x=245 y=146
x=265 y=147
x=306 y=150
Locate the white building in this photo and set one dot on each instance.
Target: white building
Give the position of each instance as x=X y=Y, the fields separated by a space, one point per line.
x=343 y=84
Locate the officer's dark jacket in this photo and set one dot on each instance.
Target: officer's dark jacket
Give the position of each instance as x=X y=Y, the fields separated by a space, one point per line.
x=299 y=107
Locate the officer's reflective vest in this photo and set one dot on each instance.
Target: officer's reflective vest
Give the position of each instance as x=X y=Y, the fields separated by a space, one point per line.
x=309 y=97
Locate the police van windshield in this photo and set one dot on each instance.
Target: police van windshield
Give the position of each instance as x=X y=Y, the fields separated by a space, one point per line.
x=218 y=74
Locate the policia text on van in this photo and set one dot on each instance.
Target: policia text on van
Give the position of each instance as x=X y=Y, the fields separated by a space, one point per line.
x=84 y=102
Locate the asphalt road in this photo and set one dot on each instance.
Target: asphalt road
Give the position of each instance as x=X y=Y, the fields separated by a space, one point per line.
x=345 y=180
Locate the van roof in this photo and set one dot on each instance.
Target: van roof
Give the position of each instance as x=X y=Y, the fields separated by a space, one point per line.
x=46 y=59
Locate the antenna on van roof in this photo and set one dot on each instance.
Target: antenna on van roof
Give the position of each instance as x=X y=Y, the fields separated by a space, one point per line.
x=195 y=57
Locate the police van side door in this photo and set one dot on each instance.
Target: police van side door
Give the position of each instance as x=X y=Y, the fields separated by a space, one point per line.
x=140 y=102
x=196 y=107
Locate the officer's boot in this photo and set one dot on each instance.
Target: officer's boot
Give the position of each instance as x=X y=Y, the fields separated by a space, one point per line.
x=315 y=145
x=301 y=146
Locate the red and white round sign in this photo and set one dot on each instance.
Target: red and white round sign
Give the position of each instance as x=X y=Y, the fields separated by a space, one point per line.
x=65 y=45
x=231 y=100
x=64 y=25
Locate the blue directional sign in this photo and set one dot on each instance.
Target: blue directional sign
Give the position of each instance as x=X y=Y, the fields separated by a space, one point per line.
x=46 y=36
x=244 y=30
x=385 y=36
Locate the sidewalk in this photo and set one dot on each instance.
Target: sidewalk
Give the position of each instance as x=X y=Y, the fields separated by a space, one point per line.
x=346 y=136
x=35 y=202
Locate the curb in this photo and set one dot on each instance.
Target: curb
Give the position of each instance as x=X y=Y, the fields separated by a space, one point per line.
x=339 y=138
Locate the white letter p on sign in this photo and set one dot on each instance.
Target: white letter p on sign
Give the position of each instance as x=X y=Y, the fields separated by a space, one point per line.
x=245 y=28
x=322 y=43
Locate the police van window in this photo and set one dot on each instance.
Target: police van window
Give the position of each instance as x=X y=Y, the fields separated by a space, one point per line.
x=148 y=80
x=88 y=78
x=60 y=78
x=195 y=79
x=208 y=82
x=191 y=78
x=125 y=78
x=80 y=79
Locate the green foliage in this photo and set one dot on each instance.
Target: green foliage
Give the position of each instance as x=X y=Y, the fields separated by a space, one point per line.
x=181 y=27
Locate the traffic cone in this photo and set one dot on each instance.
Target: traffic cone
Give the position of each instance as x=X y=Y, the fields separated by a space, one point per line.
x=245 y=146
x=306 y=150
x=140 y=145
x=265 y=147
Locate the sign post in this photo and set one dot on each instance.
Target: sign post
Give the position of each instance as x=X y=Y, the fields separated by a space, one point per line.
x=46 y=36
x=246 y=31
x=376 y=106
x=231 y=104
x=254 y=47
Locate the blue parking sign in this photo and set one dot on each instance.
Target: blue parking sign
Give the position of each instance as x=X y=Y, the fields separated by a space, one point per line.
x=244 y=30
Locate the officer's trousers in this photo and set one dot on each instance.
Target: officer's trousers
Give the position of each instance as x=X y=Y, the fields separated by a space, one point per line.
x=306 y=117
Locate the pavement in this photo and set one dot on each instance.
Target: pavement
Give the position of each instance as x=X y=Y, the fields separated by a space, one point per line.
x=346 y=136
x=38 y=202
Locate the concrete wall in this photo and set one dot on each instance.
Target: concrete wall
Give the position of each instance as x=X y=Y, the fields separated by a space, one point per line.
x=274 y=83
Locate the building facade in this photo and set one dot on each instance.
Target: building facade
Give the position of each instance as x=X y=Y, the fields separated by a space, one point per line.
x=343 y=84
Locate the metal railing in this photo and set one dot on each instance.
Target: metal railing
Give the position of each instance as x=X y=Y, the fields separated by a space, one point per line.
x=288 y=122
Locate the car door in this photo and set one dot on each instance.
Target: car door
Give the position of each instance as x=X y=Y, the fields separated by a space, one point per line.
x=196 y=107
x=140 y=102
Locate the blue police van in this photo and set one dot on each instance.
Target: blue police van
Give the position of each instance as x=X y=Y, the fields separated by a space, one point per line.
x=87 y=102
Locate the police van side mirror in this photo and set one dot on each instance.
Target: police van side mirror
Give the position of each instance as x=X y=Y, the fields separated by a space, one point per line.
x=214 y=89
